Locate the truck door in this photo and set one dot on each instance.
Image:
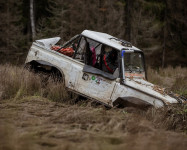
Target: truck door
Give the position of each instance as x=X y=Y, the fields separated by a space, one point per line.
x=93 y=84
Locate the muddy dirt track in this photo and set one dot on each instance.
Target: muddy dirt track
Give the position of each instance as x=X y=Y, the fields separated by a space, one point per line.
x=37 y=123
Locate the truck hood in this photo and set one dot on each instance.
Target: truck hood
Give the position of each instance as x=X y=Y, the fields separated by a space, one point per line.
x=150 y=89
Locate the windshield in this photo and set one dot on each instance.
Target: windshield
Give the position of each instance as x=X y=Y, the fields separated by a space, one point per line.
x=133 y=62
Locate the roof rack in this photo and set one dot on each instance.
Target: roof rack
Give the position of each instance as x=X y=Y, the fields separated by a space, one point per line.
x=122 y=42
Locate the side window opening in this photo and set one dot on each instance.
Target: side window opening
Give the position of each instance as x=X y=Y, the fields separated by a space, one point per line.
x=80 y=51
x=98 y=55
x=94 y=54
x=73 y=43
x=88 y=51
x=68 y=48
x=110 y=60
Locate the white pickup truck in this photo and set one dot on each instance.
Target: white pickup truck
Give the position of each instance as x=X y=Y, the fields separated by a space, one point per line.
x=100 y=67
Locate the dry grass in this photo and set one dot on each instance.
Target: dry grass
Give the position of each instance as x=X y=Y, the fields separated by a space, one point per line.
x=174 y=79
x=37 y=123
x=173 y=117
x=29 y=120
x=16 y=83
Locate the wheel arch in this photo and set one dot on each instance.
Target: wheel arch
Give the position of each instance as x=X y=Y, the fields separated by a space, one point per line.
x=40 y=65
x=131 y=102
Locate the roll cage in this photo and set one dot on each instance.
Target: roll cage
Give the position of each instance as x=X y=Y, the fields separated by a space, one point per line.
x=121 y=53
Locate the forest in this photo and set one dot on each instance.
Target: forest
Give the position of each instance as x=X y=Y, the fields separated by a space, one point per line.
x=38 y=111
x=158 y=27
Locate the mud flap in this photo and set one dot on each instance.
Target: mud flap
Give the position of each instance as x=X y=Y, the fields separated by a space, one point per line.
x=131 y=102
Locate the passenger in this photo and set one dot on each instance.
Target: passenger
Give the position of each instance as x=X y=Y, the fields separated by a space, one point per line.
x=110 y=60
x=93 y=56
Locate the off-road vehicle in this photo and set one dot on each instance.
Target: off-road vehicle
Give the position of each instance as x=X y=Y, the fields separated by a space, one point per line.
x=100 y=67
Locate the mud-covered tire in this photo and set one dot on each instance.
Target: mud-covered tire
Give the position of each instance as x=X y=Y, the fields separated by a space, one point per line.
x=131 y=102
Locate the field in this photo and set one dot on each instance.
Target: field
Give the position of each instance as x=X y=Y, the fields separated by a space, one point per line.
x=35 y=116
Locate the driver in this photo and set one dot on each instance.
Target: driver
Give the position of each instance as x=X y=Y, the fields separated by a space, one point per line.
x=110 y=60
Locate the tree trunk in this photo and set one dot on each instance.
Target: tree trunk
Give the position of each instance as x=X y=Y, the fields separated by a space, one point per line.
x=32 y=19
x=164 y=44
x=8 y=25
x=128 y=8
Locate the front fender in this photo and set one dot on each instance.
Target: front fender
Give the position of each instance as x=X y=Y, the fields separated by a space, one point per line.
x=131 y=102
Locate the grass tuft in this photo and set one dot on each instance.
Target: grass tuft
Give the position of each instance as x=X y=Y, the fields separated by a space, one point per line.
x=16 y=83
x=174 y=79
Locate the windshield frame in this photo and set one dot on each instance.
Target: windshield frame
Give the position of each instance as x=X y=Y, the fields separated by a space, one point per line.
x=123 y=52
